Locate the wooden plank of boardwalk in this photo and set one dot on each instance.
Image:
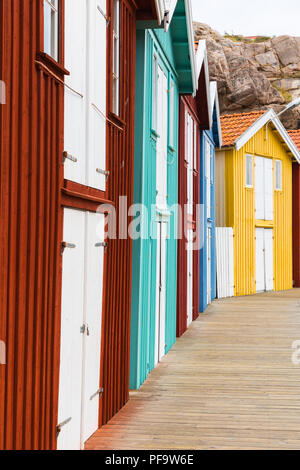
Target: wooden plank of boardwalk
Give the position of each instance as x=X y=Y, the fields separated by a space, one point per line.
x=228 y=383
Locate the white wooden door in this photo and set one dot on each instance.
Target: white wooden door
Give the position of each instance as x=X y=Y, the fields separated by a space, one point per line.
x=264 y=260
x=269 y=259
x=75 y=98
x=93 y=322
x=224 y=262
x=71 y=353
x=259 y=188
x=160 y=324
x=264 y=199
x=190 y=277
x=260 y=260
x=162 y=140
x=81 y=319
x=268 y=185
x=209 y=265
x=96 y=94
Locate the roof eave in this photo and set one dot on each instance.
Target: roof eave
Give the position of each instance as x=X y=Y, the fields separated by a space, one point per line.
x=269 y=116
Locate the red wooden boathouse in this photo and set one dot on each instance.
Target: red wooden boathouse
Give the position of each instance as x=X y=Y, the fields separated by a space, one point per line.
x=40 y=184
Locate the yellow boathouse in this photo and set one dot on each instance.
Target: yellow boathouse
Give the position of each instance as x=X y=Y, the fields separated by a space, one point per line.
x=254 y=197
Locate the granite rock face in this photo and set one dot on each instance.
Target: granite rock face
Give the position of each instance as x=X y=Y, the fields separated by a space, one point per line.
x=254 y=74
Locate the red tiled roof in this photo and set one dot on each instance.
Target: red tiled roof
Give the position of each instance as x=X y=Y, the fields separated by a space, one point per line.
x=295 y=135
x=234 y=125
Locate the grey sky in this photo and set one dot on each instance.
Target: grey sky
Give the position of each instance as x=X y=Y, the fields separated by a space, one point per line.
x=250 y=17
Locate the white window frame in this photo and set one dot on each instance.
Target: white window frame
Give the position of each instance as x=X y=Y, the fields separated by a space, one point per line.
x=116 y=57
x=195 y=147
x=171 y=113
x=278 y=165
x=154 y=92
x=52 y=28
x=248 y=184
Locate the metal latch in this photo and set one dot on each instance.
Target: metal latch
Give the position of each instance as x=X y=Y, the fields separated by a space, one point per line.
x=67 y=156
x=85 y=328
x=65 y=245
x=61 y=425
x=107 y=19
x=101 y=245
x=166 y=20
x=99 y=392
x=103 y=172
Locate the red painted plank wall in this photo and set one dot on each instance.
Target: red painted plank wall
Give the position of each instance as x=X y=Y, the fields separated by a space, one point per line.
x=296 y=223
x=186 y=103
x=31 y=145
x=120 y=150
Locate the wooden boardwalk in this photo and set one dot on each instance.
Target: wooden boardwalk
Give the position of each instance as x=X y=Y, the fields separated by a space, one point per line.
x=228 y=383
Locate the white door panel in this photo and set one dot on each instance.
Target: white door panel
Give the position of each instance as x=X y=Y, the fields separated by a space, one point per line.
x=269 y=257
x=268 y=172
x=224 y=262
x=71 y=338
x=189 y=253
x=96 y=97
x=160 y=342
x=264 y=260
x=209 y=266
x=162 y=140
x=75 y=105
x=259 y=189
x=93 y=321
x=260 y=260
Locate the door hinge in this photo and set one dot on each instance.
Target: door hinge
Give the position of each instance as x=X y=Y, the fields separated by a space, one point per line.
x=85 y=328
x=101 y=245
x=65 y=245
x=61 y=425
x=67 y=156
x=99 y=392
x=106 y=173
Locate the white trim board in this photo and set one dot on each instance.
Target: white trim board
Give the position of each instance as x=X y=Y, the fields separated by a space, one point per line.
x=269 y=116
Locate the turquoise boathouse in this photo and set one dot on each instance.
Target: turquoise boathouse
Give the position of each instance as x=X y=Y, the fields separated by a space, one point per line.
x=165 y=67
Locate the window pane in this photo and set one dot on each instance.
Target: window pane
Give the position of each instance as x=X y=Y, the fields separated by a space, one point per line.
x=172 y=114
x=47 y=27
x=51 y=28
x=278 y=175
x=249 y=171
x=154 y=93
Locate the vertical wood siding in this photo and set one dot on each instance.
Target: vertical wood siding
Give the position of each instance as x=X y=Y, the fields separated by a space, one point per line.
x=31 y=138
x=117 y=287
x=240 y=214
x=296 y=224
x=187 y=103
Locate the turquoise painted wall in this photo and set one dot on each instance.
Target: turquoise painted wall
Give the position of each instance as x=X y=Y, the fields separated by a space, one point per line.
x=142 y=349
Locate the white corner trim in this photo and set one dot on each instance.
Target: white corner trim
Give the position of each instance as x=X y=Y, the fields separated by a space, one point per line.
x=160 y=10
x=269 y=116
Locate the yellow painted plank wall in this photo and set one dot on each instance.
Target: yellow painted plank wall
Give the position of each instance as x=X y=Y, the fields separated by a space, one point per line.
x=240 y=213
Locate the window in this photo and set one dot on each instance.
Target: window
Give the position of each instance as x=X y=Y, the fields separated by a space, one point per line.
x=116 y=58
x=278 y=175
x=249 y=171
x=51 y=28
x=195 y=146
x=154 y=92
x=171 y=139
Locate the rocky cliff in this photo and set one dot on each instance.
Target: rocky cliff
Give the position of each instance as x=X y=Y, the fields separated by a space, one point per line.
x=254 y=73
